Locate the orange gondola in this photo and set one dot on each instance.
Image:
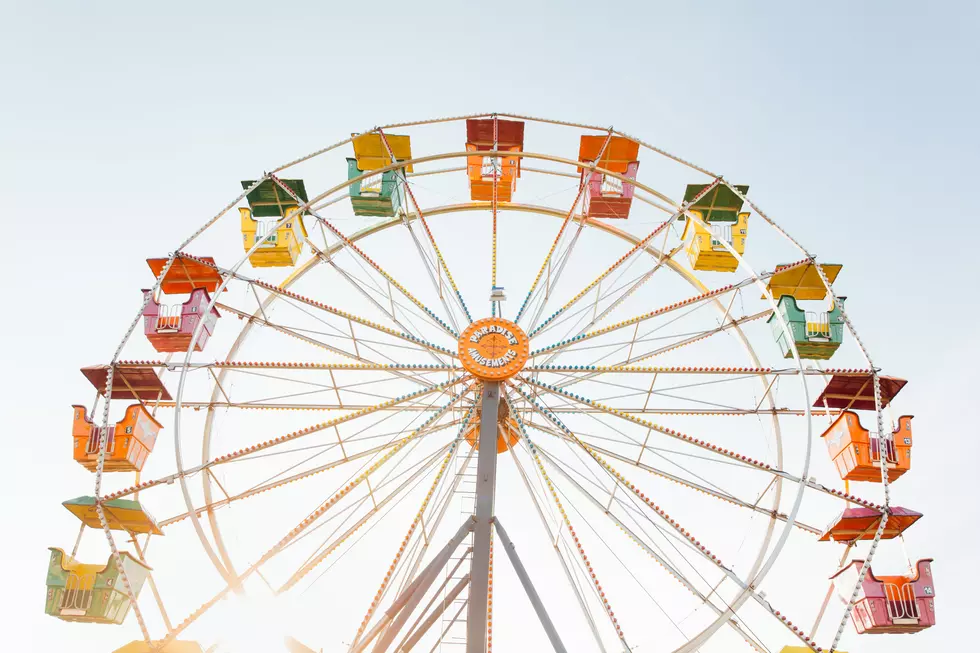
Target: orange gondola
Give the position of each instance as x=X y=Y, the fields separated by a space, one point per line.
x=482 y=170
x=857 y=453
x=128 y=442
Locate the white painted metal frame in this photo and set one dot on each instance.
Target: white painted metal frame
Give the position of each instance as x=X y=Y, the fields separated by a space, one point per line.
x=222 y=561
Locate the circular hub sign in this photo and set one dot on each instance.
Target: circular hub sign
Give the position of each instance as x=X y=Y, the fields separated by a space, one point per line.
x=493 y=349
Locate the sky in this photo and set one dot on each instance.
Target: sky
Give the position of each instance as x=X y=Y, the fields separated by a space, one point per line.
x=121 y=124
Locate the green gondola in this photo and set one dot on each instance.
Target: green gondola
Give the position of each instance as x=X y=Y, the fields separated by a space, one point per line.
x=817 y=335
x=91 y=593
x=381 y=199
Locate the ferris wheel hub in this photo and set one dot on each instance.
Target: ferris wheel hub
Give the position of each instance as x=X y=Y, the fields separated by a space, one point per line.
x=493 y=349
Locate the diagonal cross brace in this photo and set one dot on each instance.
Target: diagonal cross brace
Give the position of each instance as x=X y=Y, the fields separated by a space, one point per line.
x=539 y=609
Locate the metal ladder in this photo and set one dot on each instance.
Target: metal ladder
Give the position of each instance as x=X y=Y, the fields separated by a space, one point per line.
x=452 y=627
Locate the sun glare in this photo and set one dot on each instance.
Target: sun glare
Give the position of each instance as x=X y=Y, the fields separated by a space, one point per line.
x=251 y=624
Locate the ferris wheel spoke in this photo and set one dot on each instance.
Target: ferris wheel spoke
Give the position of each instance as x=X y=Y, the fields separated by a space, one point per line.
x=539 y=466
x=375 y=294
x=544 y=292
x=292 y=406
x=565 y=471
x=738 y=459
x=393 y=567
x=405 y=341
x=663 y=392
x=363 y=533
x=662 y=259
x=306 y=523
x=572 y=370
x=681 y=534
x=658 y=557
x=333 y=386
x=442 y=504
x=699 y=487
x=561 y=231
x=394 y=282
x=333 y=541
x=596 y=283
x=649 y=391
x=272 y=399
x=308 y=339
x=297 y=299
x=326 y=505
x=555 y=535
x=294 y=435
x=691 y=302
x=354 y=438
x=734 y=323
x=391 y=474
x=580 y=321
x=265 y=487
x=295 y=365
x=621 y=293
x=430 y=236
x=572 y=374
x=222 y=593
x=434 y=272
x=626 y=416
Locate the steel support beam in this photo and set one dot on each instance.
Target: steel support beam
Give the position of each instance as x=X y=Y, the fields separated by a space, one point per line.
x=549 y=627
x=486 y=485
x=427 y=624
x=416 y=590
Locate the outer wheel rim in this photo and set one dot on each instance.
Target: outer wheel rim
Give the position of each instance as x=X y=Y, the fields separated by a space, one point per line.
x=229 y=570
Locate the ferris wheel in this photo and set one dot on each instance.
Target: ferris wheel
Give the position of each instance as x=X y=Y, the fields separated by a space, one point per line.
x=493 y=334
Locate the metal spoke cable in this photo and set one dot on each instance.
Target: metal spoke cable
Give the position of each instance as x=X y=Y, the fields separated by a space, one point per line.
x=661 y=557
x=605 y=544
x=364 y=533
x=350 y=245
x=224 y=459
x=428 y=233
x=353 y=438
x=253 y=319
x=687 y=538
x=579 y=315
x=408 y=310
x=569 y=528
x=379 y=595
x=561 y=230
x=417 y=471
x=596 y=283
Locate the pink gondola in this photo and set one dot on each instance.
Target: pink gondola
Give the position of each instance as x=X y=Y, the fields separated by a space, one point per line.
x=889 y=604
x=170 y=328
x=609 y=197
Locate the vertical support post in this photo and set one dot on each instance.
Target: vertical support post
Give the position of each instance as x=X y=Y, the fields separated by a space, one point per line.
x=486 y=485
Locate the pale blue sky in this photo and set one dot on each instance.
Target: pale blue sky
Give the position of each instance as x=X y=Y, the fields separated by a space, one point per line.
x=855 y=123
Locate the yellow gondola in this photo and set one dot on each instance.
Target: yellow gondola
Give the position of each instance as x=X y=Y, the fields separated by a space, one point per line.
x=175 y=646
x=121 y=514
x=282 y=248
x=371 y=153
x=704 y=246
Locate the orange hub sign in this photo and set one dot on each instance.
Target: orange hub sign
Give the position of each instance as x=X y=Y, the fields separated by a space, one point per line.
x=493 y=349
